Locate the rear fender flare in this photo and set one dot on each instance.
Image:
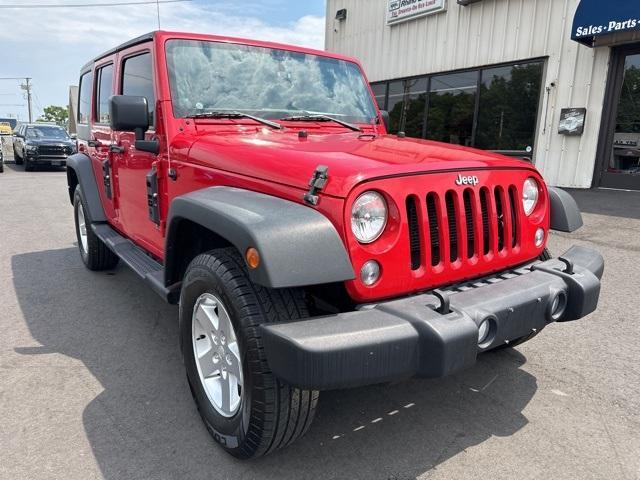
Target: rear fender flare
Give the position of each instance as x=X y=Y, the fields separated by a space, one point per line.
x=298 y=245
x=80 y=165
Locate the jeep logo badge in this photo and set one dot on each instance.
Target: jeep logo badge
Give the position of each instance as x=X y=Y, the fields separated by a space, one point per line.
x=470 y=180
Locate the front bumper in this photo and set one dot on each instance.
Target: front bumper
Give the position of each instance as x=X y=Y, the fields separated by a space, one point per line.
x=35 y=159
x=409 y=336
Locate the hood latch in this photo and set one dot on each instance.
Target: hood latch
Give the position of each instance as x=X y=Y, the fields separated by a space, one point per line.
x=317 y=183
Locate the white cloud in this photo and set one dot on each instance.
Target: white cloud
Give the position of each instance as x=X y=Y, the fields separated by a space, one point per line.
x=61 y=40
x=109 y=26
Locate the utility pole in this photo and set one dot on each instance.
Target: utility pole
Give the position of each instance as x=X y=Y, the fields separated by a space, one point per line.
x=27 y=86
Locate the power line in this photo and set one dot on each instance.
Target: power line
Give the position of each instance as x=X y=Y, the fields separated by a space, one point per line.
x=85 y=5
x=27 y=86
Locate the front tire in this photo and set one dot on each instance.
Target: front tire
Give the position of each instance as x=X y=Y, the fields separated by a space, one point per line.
x=94 y=253
x=219 y=302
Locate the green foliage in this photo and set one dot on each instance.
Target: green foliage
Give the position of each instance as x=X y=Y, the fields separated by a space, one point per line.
x=54 y=113
x=508 y=107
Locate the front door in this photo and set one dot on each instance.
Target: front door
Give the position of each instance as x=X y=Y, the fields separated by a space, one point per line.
x=100 y=137
x=137 y=171
x=620 y=153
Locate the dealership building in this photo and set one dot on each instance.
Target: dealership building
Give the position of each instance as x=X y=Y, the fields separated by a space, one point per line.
x=556 y=81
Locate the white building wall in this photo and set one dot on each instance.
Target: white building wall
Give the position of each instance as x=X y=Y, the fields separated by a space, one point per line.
x=485 y=33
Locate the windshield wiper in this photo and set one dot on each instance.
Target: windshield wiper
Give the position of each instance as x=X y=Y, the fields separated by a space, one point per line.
x=263 y=121
x=321 y=118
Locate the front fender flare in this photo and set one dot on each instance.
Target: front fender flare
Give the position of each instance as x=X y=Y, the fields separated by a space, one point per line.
x=298 y=245
x=565 y=214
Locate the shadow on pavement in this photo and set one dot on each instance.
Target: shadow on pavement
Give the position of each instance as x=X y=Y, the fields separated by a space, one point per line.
x=617 y=203
x=144 y=423
x=39 y=168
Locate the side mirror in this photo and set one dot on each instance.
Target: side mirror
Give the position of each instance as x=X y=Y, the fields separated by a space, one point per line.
x=74 y=136
x=385 y=119
x=129 y=114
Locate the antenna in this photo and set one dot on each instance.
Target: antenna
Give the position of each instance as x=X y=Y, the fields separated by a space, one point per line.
x=158 y=9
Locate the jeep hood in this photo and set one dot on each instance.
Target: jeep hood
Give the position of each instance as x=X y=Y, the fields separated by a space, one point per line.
x=284 y=158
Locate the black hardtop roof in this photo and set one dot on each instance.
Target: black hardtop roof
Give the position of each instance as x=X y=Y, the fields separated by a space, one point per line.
x=130 y=43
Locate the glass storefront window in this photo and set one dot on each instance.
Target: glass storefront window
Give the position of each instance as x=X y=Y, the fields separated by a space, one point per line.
x=415 y=101
x=625 y=157
x=504 y=117
x=407 y=100
x=395 y=104
x=380 y=92
x=509 y=99
x=451 y=107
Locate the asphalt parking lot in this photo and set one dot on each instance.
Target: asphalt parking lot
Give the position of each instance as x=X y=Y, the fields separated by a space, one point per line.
x=92 y=385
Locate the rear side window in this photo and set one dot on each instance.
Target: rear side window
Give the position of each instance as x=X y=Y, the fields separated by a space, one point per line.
x=137 y=79
x=84 y=97
x=105 y=83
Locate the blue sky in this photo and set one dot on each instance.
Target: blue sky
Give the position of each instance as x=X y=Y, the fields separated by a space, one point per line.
x=50 y=45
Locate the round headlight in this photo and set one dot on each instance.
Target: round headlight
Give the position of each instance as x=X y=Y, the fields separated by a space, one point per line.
x=530 y=194
x=368 y=217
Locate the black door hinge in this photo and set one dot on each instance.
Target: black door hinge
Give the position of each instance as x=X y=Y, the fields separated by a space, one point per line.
x=152 y=196
x=317 y=183
x=106 y=177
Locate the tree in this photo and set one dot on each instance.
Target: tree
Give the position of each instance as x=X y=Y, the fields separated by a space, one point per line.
x=56 y=114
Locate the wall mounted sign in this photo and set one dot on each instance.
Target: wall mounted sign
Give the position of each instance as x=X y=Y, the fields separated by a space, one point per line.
x=572 y=121
x=403 y=10
x=595 y=18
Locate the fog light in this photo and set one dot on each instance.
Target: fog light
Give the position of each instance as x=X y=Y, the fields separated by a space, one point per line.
x=483 y=330
x=539 y=239
x=370 y=272
x=558 y=305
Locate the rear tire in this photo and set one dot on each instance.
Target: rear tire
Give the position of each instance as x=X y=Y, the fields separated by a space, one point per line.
x=94 y=253
x=269 y=413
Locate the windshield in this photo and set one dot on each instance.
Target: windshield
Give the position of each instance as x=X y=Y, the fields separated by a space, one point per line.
x=47 y=132
x=217 y=77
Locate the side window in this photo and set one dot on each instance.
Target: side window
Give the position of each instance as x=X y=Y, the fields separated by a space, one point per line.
x=84 y=97
x=105 y=83
x=137 y=79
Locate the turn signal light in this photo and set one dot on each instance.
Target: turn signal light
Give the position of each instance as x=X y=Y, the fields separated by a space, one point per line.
x=253 y=258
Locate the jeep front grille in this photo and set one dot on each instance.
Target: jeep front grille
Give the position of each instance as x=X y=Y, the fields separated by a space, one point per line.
x=462 y=224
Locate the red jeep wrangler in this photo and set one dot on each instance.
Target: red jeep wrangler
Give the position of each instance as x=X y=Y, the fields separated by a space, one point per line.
x=254 y=184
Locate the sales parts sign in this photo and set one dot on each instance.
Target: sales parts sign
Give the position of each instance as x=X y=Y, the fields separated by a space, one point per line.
x=402 y=10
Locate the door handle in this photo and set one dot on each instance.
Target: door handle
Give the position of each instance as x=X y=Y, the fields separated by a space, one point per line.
x=113 y=148
x=94 y=143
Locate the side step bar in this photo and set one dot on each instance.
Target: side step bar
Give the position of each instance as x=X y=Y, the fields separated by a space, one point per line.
x=137 y=260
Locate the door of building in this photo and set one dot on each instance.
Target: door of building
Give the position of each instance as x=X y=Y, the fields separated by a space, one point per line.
x=619 y=150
